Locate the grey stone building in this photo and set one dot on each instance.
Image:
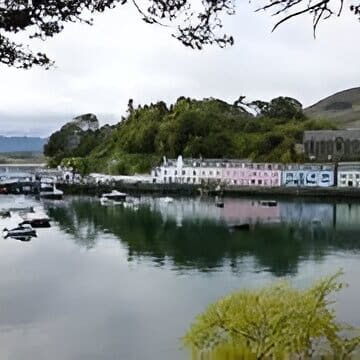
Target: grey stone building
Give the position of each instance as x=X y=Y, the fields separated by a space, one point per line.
x=332 y=145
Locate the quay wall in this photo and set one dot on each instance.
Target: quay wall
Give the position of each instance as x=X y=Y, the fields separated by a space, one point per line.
x=193 y=190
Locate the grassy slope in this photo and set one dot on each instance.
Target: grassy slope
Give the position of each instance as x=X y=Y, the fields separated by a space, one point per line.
x=345 y=118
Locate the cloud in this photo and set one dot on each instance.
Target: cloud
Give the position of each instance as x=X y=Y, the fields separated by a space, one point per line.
x=99 y=68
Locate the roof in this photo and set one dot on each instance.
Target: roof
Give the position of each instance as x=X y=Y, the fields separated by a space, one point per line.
x=353 y=134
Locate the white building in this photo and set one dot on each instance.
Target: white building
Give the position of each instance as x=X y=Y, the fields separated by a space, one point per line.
x=195 y=171
x=348 y=174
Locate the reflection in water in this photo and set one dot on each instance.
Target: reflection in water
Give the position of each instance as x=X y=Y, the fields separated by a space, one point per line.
x=194 y=234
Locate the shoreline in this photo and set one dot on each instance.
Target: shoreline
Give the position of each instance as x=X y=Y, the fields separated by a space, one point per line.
x=190 y=190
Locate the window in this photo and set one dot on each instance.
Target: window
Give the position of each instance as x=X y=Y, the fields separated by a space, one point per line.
x=265 y=173
x=194 y=173
x=188 y=179
x=357 y=176
x=175 y=172
x=235 y=182
x=165 y=172
x=218 y=173
x=254 y=173
x=343 y=176
x=183 y=172
x=210 y=173
x=253 y=181
x=259 y=182
x=203 y=173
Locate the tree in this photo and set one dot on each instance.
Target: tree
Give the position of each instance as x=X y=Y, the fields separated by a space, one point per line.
x=194 y=25
x=276 y=322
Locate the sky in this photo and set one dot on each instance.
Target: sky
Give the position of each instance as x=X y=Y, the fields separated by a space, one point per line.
x=99 y=67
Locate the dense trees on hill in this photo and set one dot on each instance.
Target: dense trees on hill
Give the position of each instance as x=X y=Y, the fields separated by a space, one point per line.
x=194 y=128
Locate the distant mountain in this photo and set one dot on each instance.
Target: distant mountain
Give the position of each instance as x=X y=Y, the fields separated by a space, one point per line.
x=343 y=108
x=21 y=144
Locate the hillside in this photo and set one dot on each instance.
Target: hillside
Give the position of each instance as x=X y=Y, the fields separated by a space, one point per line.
x=11 y=144
x=209 y=128
x=343 y=108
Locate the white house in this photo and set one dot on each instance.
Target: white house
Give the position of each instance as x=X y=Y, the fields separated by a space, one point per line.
x=348 y=174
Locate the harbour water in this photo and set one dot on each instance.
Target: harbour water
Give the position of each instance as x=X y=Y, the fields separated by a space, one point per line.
x=108 y=282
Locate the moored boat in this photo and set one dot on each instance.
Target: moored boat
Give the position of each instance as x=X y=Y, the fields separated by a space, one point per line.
x=36 y=220
x=240 y=227
x=219 y=204
x=268 y=203
x=113 y=197
x=49 y=191
x=20 y=231
x=167 y=199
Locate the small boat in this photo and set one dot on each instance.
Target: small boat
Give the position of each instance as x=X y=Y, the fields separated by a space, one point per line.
x=36 y=220
x=113 y=197
x=49 y=191
x=240 y=227
x=20 y=231
x=219 y=204
x=167 y=199
x=268 y=203
x=5 y=214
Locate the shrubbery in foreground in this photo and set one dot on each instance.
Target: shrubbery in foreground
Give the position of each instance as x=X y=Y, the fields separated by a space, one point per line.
x=275 y=322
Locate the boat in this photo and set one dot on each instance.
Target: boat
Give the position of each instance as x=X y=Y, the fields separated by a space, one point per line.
x=268 y=203
x=167 y=199
x=5 y=214
x=113 y=197
x=36 y=220
x=240 y=227
x=219 y=204
x=20 y=231
x=49 y=191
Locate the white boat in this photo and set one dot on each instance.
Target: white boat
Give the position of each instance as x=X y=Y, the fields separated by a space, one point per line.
x=49 y=191
x=113 y=197
x=167 y=199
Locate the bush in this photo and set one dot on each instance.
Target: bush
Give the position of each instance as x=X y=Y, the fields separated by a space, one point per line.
x=276 y=322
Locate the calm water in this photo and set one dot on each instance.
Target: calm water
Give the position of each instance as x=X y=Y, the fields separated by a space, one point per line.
x=115 y=283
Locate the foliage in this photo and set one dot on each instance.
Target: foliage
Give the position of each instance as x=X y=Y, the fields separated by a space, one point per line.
x=208 y=128
x=275 y=322
x=77 y=164
x=195 y=25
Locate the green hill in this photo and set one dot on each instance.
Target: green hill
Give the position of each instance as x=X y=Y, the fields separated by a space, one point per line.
x=209 y=128
x=343 y=108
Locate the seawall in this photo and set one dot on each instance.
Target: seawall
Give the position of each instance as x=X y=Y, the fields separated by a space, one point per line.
x=191 y=190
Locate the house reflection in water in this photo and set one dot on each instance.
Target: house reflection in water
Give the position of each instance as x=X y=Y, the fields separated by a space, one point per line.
x=249 y=211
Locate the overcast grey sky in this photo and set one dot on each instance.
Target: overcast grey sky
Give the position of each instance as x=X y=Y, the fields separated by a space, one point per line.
x=99 y=68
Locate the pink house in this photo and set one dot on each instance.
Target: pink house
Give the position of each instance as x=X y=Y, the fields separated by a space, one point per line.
x=250 y=174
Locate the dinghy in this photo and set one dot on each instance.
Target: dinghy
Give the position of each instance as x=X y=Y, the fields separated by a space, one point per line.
x=20 y=231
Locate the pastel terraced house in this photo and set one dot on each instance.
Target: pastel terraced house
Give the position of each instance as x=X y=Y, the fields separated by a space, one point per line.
x=252 y=174
x=217 y=171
